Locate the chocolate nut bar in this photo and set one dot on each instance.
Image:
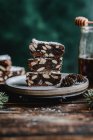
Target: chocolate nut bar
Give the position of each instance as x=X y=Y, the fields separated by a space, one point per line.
x=16 y=71
x=45 y=64
x=46 y=49
x=5 y=62
x=42 y=78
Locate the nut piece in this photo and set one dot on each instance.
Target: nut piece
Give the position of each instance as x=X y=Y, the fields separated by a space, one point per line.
x=34 y=77
x=35 y=46
x=46 y=76
x=1 y=79
x=27 y=74
x=2 y=68
x=46 y=55
x=30 y=82
x=49 y=47
x=43 y=51
x=58 y=66
x=42 y=61
x=44 y=47
x=51 y=55
x=33 y=63
x=32 y=48
x=57 y=47
x=55 y=77
x=54 y=61
x=41 y=69
x=58 y=72
x=48 y=83
x=5 y=77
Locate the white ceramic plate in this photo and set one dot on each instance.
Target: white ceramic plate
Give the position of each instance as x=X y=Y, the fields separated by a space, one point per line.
x=18 y=85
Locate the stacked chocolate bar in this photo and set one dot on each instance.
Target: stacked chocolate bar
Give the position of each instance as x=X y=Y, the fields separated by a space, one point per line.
x=16 y=71
x=7 y=70
x=46 y=64
x=5 y=65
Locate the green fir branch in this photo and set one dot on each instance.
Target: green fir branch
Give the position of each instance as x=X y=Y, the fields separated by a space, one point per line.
x=89 y=97
x=3 y=99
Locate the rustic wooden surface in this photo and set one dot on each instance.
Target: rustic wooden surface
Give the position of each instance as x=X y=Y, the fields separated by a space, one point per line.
x=46 y=119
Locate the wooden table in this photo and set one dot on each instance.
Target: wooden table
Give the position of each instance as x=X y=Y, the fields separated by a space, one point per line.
x=46 y=119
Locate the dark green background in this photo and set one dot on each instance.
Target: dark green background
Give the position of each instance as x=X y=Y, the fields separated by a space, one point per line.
x=50 y=20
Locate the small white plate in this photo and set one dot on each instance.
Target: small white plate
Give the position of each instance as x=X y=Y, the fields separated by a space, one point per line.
x=18 y=85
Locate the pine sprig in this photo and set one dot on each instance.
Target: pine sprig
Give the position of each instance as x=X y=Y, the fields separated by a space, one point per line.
x=89 y=97
x=3 y=99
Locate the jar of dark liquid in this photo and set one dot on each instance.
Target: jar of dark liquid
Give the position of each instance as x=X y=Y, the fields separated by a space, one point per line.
x=86 y=53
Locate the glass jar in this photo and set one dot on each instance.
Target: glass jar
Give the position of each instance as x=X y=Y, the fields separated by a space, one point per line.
x=86 y=53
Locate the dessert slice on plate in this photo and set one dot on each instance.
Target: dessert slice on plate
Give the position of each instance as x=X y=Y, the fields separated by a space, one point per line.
x=43 y=78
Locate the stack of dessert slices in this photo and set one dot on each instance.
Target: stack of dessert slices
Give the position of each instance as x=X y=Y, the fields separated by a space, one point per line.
x=7 y=70
x=46 y=64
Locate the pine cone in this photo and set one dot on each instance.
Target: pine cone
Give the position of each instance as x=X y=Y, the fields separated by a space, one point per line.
x=76 y=77
x=73 y=76
x=71 y=79
x=67 y=81
x=80 y=78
